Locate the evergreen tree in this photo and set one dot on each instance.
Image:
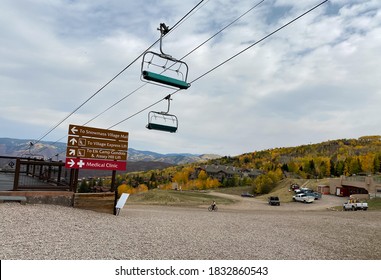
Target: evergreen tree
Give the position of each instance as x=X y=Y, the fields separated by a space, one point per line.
x=84 y=187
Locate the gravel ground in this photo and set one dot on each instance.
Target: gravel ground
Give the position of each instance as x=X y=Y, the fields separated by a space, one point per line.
x=249 y=229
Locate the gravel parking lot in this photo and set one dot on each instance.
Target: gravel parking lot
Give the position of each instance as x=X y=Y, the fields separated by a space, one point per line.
x=250 y=229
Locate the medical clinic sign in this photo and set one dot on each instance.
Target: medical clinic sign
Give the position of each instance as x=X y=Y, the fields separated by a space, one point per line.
x=95 y=148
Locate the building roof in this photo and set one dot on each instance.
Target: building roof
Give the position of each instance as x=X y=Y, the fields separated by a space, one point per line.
x=232 y=170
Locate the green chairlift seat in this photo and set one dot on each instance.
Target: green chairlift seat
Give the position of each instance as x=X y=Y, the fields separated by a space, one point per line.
x=161 y=127
x=162 y=121
x=158 y=78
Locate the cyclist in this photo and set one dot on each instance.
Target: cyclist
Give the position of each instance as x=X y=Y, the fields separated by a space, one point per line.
x=213 y=205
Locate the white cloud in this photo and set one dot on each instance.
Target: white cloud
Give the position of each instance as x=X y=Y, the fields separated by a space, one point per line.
x=315 y=80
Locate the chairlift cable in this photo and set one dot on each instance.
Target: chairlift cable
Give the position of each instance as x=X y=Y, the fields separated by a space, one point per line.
x=116 y=103
x=261 y=40
x=229 y=59
x=92 y=96
x=189 y=53
x=227 y=26
x=140 y=87
x=112 y=79
x=137 y=113
x=224 y=62
x=169 y=81
x=117 y=75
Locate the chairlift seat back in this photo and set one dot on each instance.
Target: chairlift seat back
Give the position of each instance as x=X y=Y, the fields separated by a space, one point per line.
x=162 y=121
x=164 y=70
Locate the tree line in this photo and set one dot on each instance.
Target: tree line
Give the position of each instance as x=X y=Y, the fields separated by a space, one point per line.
x=327 y=159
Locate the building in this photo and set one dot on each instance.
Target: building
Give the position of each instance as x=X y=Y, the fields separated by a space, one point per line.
x=359 y=186
x=222 y=172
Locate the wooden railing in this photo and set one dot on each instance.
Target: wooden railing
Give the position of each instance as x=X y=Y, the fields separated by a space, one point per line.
x=34 y=174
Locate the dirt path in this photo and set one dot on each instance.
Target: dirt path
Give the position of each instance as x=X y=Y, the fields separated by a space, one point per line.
x=49 y=232
x=249 y=203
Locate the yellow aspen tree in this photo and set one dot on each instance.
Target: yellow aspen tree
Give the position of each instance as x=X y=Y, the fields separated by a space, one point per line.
x=124 y=188
x=212 y=183
x=142 y=188
x=202 y=175
x=367 y=162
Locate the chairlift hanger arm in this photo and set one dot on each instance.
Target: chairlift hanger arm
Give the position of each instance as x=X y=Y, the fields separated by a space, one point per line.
x=168 y=97
x=163 y=31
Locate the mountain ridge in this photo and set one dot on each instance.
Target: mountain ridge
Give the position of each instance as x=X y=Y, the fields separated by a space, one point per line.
x=57 y=150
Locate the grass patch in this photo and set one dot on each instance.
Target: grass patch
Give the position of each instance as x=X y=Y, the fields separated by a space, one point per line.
x=374 y=203
x=176 y=198
x=235 y=190
x=284 y=196
x=282 y=190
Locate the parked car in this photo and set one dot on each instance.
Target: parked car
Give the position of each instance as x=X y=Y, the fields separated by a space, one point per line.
x=316 y=195
x=246 y=194
x=298 y=191
x=302 y=197
x=308 y=192
x=353 y=205
x=274 y=200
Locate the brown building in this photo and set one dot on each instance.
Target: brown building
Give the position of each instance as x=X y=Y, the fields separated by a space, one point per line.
x=222 y=172
x=359 y=186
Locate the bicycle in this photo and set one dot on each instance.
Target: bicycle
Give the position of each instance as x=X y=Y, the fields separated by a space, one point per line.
x=211 y=208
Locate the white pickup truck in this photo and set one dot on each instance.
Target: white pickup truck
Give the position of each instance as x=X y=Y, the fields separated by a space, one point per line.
x=302 y=197
x=353 y=205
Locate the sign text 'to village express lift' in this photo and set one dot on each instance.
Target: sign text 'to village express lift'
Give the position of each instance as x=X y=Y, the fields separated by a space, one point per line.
x=164 y=70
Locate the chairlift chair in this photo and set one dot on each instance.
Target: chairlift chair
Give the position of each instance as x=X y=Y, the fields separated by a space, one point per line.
x=163 y=120
x=163 y=69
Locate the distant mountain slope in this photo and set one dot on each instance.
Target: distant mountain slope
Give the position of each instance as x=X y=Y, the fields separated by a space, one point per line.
x=329 y=158
x=45 y=149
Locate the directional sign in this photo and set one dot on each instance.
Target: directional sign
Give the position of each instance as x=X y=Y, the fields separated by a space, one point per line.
x=75 y=141
x=96 y=153
x=99 y=133
x=96 y=148
x=80 y=163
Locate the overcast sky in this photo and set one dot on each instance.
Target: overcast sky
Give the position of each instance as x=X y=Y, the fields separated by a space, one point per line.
x=318 y=79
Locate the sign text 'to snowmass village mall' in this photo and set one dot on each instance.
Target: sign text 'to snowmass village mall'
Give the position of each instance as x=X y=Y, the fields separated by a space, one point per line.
x=96 y=148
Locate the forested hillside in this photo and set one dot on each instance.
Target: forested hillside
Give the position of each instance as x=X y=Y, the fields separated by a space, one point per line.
x=331 y=158
x=327 y=159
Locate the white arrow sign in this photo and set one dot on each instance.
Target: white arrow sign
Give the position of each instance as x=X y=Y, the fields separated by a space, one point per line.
x=71 y=152
x=73 y=141
x=71 y=163
x=74 y=130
